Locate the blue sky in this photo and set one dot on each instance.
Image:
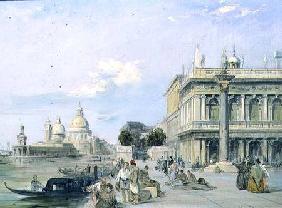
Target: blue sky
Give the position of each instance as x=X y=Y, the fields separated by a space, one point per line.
x=116 y=57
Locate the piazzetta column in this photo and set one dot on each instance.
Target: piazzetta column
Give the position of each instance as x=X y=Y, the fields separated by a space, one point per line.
x=223 y=80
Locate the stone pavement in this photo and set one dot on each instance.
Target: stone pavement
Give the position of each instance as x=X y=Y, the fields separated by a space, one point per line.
x=226 y=195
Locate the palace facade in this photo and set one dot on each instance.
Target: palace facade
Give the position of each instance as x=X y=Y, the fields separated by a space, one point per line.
x=254 y=110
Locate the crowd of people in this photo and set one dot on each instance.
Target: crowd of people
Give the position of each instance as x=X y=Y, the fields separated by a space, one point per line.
x=131 y=181
x=174 y=169
x=252 y=177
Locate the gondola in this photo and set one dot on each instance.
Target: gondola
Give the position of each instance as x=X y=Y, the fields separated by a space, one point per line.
x=57 y=187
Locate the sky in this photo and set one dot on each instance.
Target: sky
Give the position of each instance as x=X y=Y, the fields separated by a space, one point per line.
x=116 y=57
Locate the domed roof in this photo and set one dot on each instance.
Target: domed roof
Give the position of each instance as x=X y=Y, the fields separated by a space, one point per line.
x=58 y=128
x=79 y=121
x=233 y=59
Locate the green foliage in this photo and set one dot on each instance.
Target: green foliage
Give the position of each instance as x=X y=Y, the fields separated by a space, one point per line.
x=125 y=138
x=156 y=137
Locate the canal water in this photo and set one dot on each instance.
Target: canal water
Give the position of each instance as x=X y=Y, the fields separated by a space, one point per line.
x=18 y=173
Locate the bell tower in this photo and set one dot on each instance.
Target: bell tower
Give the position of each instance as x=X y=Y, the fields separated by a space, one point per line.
x=21 y=137
x=47 y=130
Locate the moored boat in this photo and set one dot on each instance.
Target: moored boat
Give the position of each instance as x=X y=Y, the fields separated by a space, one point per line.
x=58 y=187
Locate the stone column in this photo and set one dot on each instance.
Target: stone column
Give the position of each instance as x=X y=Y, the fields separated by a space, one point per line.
x=270 y=151
x=203 y=152
x=248 y=148
x=223 y=79
x=247 y=111
x=241 y=150
x=242 y=108
x=192 y=152
x=264 y=110
x=192 y=109
x=208 y=152
x=197 y=151
x=187 y=112
x=264 y=150
x=197 y=110
x=203 y=107
x=181 y=116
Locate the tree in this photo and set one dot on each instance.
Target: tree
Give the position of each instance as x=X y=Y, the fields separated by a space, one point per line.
x=156 y=137
x=125 y=138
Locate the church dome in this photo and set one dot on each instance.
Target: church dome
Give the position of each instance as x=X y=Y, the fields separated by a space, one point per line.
x=79 y=121
x=233 y=59
x=58 y=128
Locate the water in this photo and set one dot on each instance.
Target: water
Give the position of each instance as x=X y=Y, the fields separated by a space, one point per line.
x=19 y=172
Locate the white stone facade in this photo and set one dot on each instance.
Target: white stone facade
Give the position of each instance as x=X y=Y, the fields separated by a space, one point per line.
x=254 y=112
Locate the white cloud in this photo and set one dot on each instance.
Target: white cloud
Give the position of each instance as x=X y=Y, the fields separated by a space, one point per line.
x=236 y=9
x=221 y=1
x=247 y=11
x=225 y=9
x=171 y=18
x=109 y=72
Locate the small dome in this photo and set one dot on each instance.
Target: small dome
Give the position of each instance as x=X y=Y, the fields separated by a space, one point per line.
x=58 y=128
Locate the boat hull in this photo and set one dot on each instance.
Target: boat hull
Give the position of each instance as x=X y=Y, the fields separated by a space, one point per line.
x=47 y=193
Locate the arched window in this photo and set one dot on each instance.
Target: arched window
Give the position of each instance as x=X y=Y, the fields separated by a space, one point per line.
x=277 y=110
x=214 y=110
x=254 y=110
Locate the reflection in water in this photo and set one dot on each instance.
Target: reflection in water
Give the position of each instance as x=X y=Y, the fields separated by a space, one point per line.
x=50 y=202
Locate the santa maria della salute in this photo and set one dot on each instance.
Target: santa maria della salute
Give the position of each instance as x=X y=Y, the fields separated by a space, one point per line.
x=76 y=140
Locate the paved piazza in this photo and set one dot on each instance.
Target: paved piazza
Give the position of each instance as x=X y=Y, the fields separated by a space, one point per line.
x=226 y=195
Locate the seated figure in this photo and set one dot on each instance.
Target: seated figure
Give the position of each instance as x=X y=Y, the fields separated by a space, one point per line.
x=145 y=180
x=191 y=178
x=182 y=177
x=103 y=195
x=35 y=184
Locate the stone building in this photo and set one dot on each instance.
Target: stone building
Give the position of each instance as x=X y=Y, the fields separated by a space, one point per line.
x=53 y=147
x=80 y=135
x=78 y=139
x=253 y=108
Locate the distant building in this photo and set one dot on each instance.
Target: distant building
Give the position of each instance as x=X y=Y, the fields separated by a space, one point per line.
x=138 y=130
x=255 y=112
x=59 y=142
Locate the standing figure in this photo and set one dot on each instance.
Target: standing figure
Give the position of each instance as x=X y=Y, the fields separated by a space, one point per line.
x=123 y=182
x=134 y=183
x=170 y=161
x=164 y=167
x=265 y=179
x=243 y=175
x=256 y=179
x=173 y=171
